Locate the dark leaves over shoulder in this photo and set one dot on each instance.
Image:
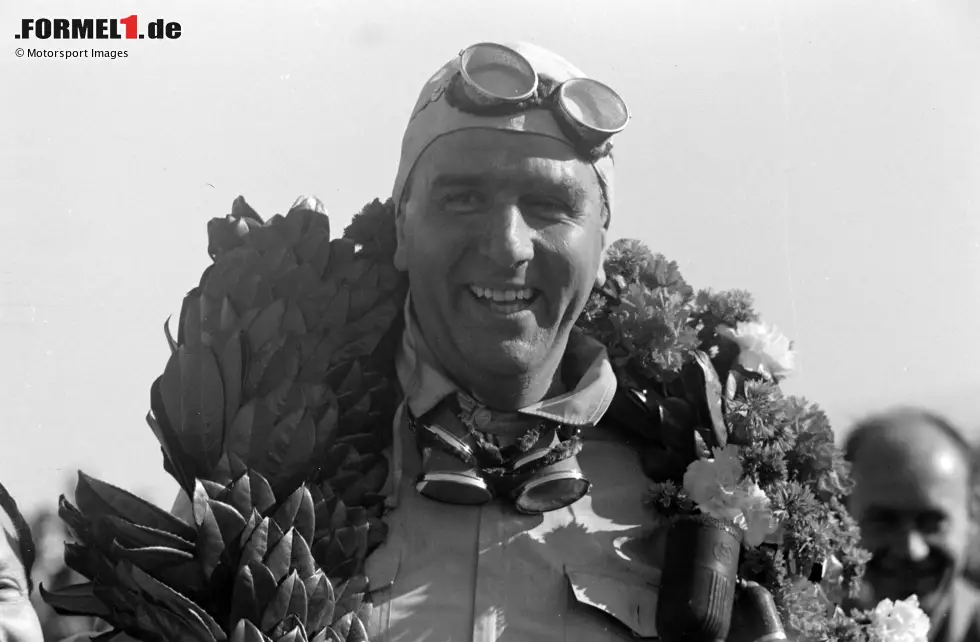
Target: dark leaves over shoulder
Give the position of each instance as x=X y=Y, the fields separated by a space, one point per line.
x=373 y=228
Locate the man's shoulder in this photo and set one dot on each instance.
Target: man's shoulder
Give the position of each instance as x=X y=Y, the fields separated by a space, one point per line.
x=631 y=421
x=626 y=414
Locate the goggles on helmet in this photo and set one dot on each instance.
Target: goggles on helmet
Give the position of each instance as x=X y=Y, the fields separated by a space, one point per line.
x=494 y=79
x=456 y=469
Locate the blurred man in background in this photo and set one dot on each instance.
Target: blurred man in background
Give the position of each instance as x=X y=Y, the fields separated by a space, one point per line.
x=913 y=498
x=18 y=620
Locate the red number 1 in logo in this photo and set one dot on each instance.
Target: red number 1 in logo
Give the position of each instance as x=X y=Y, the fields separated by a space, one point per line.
x=130 y=23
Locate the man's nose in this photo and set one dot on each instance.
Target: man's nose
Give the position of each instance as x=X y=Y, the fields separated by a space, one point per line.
x=507 y=239
x=912 y=546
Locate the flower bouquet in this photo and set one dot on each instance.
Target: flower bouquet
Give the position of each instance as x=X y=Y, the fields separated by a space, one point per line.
x=750 y=481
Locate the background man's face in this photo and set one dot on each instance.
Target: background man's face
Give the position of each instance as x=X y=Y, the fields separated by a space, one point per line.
x=18 y=620
x=911 y=500
x=502 y=238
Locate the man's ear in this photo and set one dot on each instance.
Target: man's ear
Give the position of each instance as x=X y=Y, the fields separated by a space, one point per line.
x=401 y=249
x=600 y=277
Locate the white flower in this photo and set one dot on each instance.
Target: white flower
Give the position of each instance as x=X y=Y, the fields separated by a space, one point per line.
x=901 y=621
x=705 y=479
x=763 y=349
x=714 y=485
x=756 y=519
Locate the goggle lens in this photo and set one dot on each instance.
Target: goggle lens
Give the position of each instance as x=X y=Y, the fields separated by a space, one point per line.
x=498 y=72
x=594 y=105
x=454 y=488
x=551 y=492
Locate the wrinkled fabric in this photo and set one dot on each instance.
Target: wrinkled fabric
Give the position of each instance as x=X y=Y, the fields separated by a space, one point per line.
x=487 y=574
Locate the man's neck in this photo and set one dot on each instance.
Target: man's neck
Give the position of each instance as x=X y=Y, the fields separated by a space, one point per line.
x=513 y=392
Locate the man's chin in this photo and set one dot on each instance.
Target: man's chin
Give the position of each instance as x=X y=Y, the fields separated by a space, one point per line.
x=512 y=358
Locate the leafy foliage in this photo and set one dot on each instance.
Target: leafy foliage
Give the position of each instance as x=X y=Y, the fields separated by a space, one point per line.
x=668 y=498
x=686 y=378
x=273 y=414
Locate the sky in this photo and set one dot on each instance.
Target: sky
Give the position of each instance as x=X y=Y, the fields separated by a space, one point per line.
x=822 y=154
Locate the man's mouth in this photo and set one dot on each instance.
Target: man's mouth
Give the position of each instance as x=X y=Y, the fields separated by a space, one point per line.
x=504 y=300
x=912 y=578
x=885 y=565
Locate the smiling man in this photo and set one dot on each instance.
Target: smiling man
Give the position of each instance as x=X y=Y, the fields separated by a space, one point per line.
x=502 y=238
x=18 y=619
x=516 y=516
x=914 y=475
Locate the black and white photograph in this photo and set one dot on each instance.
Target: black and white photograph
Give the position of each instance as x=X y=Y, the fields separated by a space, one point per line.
x=433 y=321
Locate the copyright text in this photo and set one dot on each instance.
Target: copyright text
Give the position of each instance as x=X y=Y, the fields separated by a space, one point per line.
x=71 y=53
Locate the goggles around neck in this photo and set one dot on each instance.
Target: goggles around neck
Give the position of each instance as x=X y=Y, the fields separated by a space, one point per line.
x=496 y=80
x=462 y=466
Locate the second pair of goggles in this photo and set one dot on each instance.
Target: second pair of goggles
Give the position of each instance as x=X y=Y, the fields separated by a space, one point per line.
x=458 y=468
x=493 y=78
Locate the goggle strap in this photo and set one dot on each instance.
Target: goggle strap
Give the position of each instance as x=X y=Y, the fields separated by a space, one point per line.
x=528 y=459
x=559 y=452
x=564 y=450
x=513 y=457
x=489 y=451
x=525 y=444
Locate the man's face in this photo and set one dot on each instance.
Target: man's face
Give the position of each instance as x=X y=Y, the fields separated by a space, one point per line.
x=502 y=237
x=911 y=500
x=18 y=620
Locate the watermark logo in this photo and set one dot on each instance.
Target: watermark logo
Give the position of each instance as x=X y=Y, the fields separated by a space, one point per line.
x=128 y=28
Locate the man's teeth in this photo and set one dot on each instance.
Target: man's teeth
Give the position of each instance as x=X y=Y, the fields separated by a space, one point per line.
x=502 y=296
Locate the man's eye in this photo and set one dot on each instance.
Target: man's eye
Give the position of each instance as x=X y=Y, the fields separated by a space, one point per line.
x=462 y=200
x=9 y=586
x=546 y=204
x=931 y=523
x=548 y=209
x=883 y=520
